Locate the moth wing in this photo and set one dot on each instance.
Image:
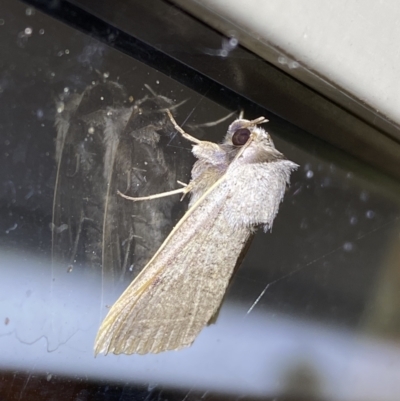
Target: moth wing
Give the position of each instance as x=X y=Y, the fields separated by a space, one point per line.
x=181 y=288
x=264 y=185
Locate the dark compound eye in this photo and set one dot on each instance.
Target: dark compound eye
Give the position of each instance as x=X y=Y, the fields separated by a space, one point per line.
x=241 y=136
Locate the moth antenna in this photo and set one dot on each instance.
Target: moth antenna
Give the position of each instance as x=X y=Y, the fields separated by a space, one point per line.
x=149 y=88
x=212 y=123
x=175 y=106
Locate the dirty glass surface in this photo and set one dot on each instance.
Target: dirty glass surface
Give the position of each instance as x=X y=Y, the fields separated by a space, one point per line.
x=313 y=311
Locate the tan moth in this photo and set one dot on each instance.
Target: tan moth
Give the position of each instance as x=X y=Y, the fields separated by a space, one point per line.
x=235 y=187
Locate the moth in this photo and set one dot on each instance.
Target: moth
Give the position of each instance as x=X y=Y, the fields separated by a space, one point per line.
x=235 y=187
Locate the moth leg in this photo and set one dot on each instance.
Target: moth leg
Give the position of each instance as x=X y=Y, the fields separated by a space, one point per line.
x=181 y=131
x=183 y=191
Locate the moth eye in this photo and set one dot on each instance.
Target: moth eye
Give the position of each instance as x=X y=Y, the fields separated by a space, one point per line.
x=241 y=136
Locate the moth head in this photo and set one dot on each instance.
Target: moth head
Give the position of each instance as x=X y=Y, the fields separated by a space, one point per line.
x=251 y=141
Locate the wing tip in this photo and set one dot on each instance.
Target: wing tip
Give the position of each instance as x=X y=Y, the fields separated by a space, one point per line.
x=152 y=347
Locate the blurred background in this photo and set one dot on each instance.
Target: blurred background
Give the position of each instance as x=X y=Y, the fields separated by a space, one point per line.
x=313 y=313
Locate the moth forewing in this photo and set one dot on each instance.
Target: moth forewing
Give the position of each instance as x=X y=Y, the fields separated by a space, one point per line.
x=235 y=186
x=182 y=286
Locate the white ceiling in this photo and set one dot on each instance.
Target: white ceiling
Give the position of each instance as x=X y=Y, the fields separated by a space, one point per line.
x=345 y=49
